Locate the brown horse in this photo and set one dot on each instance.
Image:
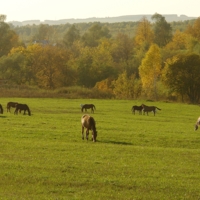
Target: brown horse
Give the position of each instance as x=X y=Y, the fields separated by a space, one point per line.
x=197 y=124
x=88 y=106
x=148 y=109
x=139 y=108
x=1 y=109
x=24 y=107
x=11 y=105
x=88 y=122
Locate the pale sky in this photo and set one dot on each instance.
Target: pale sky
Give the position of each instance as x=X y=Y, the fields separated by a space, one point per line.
x=22 y=10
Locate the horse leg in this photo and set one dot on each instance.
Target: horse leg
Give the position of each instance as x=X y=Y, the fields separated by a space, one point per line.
x=87 y=133
x=16 y=111
x=82 y=133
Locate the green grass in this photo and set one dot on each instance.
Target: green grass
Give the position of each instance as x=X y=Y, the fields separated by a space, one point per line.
x=135 y=157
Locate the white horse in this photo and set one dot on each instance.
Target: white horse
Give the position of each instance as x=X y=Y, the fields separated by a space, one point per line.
x=197 y=124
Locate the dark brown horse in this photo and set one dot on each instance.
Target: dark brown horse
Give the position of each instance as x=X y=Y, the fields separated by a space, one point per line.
x=88 y=106
x=24 y=107
x=197 y=124
x=1 y=109
x=11 y=105
x=147 y=109
x=137 y=108
x=88 y=122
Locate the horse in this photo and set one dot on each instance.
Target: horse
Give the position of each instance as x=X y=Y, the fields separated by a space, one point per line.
x=24 y=107
x=11 y=105
x=88 y=106
x=197 y=124
x=148 y=109
x=139 y=108
x=89 y=123
x=1 y=109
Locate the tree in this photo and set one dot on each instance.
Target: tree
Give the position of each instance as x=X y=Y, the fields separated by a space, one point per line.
x=95 y=64
x=144 y=33
x=94 y=34
x=150 y=70
x=71 y=36
x=179 y=41
x=181 y=75
x=162 y=30
x=8 y=38
x=44 y=33
x=126 y=86
x=195 y=29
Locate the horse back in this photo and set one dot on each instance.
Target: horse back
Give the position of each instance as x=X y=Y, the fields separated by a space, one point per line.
x=87 y=121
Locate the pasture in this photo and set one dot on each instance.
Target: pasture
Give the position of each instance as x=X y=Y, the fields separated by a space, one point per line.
x=43 y=156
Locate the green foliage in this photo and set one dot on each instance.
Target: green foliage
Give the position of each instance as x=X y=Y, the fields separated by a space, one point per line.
x=181 y=75
x=94 y=34
x=71 y=36
x=8 y=38
x=162 y=30
x=145 y=157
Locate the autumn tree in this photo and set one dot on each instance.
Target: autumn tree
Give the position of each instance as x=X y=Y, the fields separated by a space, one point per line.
x=162 y=30
x=150 y=70
x=126 y=87
x=181 y=75
x=194 y=29
x=144 y=33
x=178 y=42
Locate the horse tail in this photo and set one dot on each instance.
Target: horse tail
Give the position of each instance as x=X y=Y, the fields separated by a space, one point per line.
x=94 y=107
x=158 y=108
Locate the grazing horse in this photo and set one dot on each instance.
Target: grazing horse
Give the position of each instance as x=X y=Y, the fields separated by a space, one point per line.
x=11 y=105
x=148 y=109
x=24 y=107
x=88 y=122
x=139 y=108
x=197 y=124
x=88 y=106
x=1 y=109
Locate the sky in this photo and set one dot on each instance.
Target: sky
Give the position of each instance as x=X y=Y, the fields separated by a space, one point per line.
x=22 y=10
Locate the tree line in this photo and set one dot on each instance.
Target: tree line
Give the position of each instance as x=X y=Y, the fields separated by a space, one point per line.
x=156 y=61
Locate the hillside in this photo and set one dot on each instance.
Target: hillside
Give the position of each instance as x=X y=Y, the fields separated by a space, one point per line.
x=127 y=18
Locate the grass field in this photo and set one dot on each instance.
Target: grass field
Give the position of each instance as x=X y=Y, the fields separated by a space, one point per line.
x=42 y=156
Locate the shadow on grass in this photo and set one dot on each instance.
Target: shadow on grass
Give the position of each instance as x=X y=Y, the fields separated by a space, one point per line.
x=3 y=116
x=115 y=142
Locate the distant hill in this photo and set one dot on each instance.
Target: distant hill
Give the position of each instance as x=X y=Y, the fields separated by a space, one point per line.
x=126 y=18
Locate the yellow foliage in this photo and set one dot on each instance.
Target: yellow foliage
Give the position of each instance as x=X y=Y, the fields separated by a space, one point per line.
x=150 y=69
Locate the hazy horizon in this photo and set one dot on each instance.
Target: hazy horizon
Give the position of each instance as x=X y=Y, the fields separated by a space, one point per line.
x=24 y=10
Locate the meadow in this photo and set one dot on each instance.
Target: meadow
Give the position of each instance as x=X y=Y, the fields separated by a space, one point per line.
x=136 y=157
